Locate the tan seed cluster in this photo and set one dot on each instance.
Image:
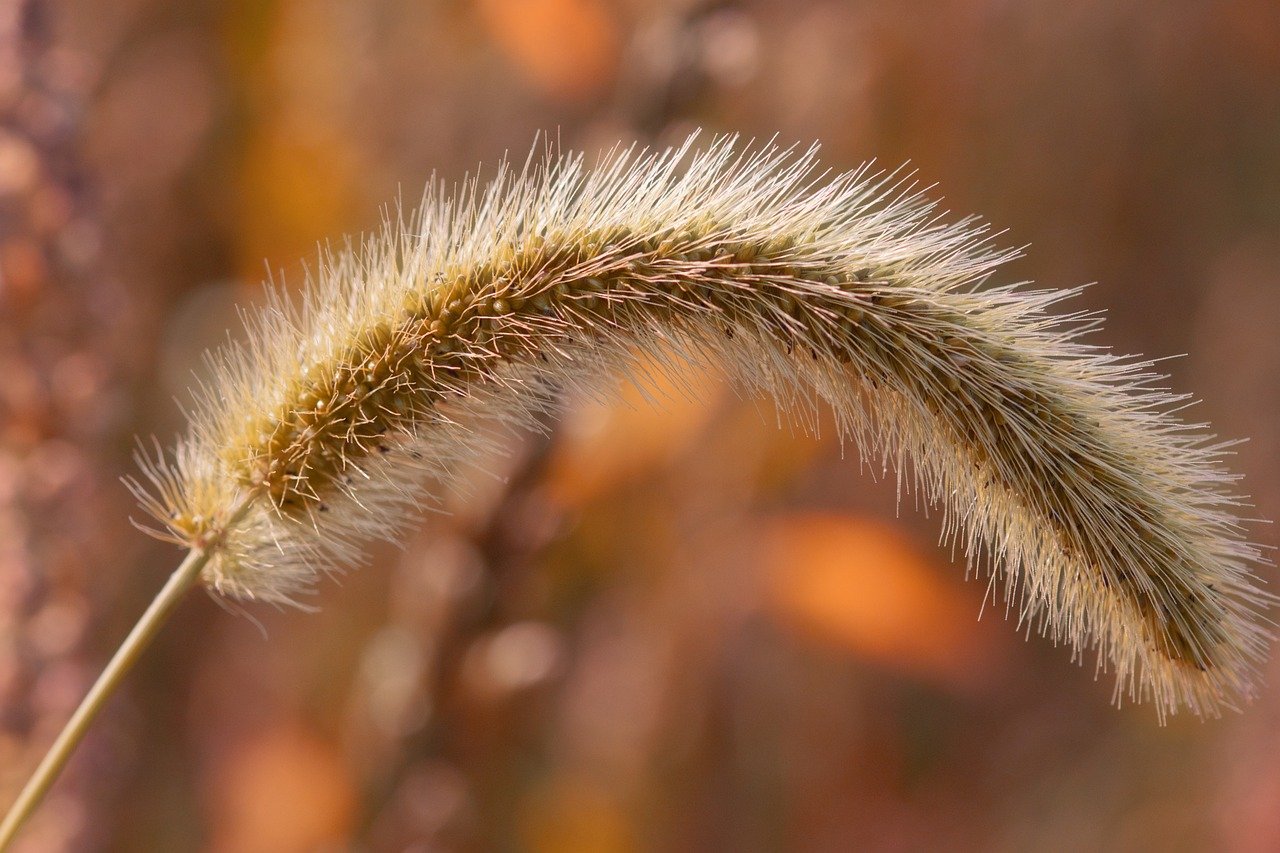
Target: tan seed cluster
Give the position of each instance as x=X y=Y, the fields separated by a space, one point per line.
x=1112 y=524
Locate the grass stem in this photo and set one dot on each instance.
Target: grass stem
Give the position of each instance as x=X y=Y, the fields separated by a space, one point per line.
x=182 y=579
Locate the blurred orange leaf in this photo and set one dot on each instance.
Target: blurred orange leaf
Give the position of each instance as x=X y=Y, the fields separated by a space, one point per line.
x=291 y=189
x=284 y=790
x=567 y=48
x=571 y=815
x=860 y=586
x=607 y=443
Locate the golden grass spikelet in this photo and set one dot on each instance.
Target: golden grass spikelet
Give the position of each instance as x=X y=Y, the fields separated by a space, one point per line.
x=1110 y=522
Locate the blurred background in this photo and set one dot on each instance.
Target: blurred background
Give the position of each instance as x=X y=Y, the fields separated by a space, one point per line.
x=681 y=630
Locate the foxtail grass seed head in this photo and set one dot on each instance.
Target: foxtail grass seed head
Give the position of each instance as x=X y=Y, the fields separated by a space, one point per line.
x=1110 y=524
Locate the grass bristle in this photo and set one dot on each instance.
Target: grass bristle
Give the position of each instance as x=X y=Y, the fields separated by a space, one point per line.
x=1112 y=525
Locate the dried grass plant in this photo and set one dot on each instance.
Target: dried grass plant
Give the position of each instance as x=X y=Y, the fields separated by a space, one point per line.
x=1111 y=524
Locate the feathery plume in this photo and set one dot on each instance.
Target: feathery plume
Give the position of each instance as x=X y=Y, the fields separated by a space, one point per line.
x=1060 y=467
x=1109 y=521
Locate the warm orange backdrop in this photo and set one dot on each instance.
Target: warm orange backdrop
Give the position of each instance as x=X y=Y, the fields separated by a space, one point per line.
x=675 y=630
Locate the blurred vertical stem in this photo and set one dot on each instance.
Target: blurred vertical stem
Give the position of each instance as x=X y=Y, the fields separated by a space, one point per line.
x=182 y=579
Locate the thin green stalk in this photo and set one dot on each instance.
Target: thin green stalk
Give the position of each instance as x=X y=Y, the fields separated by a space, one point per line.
x=182 y=579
